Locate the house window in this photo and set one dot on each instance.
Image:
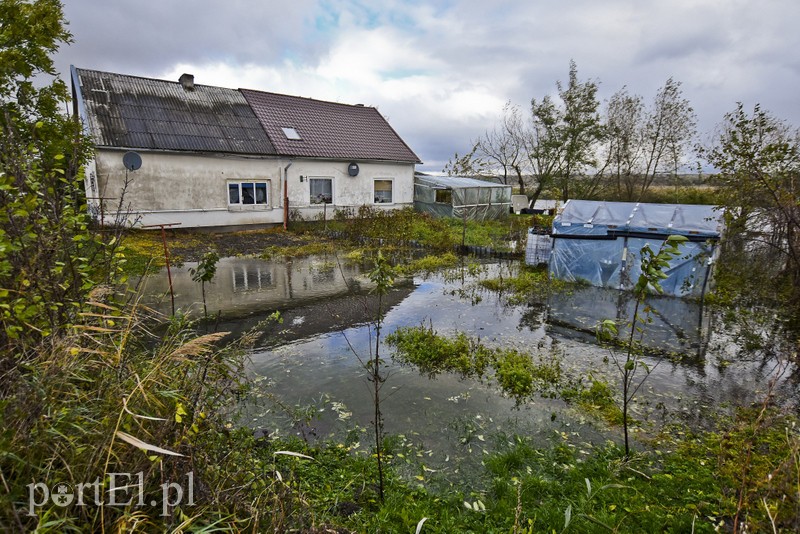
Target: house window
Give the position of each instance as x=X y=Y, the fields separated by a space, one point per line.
x=383 y=192
x=244 y=193
x=321 y=190
x=444 y=196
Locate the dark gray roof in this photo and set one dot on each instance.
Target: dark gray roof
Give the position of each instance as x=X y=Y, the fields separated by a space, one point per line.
x=132 y=112
x=327 y=129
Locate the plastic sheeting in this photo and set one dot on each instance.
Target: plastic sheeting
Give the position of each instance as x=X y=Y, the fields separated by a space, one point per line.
x=538 y=247
x=468 y=198
x=590 y=217
x=600 y=243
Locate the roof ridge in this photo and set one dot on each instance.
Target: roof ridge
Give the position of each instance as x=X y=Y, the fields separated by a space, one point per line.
x=361 y=106
x=152 y=79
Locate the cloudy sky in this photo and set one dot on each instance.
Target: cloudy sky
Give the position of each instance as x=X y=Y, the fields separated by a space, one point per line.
x=441 y=70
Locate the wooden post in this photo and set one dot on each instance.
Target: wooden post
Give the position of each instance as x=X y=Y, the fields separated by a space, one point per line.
x=166 y=257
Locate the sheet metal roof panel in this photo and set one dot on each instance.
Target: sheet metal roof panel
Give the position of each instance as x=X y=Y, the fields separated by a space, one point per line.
x=133 y=112
x=327 y=129
x=456 y=182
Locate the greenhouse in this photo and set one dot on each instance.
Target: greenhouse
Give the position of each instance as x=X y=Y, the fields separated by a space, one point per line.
x=464 y=198
x=600 y=243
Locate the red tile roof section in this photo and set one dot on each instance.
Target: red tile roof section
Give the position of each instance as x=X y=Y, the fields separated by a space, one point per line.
x=327 y=129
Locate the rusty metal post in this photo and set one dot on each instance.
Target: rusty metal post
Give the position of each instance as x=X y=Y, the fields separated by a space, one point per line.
x=166 y=258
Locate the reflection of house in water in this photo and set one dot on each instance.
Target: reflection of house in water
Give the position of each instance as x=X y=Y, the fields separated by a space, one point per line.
x=244 y=286
x=251 y=278
x=679 y=325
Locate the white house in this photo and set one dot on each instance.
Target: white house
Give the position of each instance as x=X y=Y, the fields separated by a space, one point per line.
x=201 y=155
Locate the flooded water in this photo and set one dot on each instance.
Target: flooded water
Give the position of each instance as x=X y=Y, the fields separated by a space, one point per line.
x=312 y=379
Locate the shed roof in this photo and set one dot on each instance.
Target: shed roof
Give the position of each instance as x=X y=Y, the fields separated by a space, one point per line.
x=132 y=112
x=327 y=129
x=455 y=182
x=590 y=217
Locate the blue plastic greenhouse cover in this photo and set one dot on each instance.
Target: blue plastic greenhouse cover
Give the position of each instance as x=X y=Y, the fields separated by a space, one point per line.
x=591 y=217
x=600 y=243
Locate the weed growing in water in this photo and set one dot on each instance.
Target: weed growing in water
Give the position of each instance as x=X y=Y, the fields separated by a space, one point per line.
x=517 y=374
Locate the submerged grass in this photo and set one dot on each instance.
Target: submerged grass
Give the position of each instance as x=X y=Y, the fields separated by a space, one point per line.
x=428 y=264
x=297 y=251
x=518 y=374
x=528 y=283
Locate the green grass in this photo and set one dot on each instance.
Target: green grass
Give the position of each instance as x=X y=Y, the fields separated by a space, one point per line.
x=393 y=231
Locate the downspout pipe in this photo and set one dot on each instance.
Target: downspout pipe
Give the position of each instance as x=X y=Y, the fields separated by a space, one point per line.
x=286 y=196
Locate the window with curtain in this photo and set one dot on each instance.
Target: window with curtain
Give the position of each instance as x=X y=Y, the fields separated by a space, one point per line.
x=321 y=190
x=383 y=191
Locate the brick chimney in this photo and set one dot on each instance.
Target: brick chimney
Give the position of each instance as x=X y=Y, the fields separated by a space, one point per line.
x=187 y=81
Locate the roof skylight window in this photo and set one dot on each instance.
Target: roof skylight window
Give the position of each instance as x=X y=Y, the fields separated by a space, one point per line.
x=291 y=133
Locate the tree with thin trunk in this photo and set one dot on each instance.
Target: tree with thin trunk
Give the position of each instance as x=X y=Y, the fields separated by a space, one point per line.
x=542 y=143
x=667 y=134
x=383 y=277
x=502 y=146
x=580 y=131
x=204 y=272
x=653 y=265
x=623 y=148
x=758 y=161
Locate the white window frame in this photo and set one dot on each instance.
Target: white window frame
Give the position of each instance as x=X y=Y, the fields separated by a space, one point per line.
x=333 y=190
x=254 y=183
x=374 y=181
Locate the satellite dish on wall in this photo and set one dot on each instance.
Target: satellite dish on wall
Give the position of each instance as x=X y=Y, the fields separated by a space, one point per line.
x=132 y=161
x=352 y=169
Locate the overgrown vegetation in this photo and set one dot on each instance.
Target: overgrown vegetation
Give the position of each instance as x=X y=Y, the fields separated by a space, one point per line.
x=94 y=398
x=407 y=227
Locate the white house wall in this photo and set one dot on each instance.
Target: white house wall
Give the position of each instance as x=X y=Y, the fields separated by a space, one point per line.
x=192 y=189
x=348 y=191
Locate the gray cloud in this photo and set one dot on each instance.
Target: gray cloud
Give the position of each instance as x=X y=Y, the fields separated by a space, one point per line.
x=453 y=63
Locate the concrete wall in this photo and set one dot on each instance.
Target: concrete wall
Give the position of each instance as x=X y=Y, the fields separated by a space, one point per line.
x=193 y=188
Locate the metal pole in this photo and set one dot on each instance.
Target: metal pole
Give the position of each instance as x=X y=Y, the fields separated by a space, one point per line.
x=166 y=258
x=169 y=271
x=286 y=203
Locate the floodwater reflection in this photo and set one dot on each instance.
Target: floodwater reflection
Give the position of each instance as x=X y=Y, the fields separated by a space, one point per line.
x=670 y=325
x=316 y=356
x=250 y=285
